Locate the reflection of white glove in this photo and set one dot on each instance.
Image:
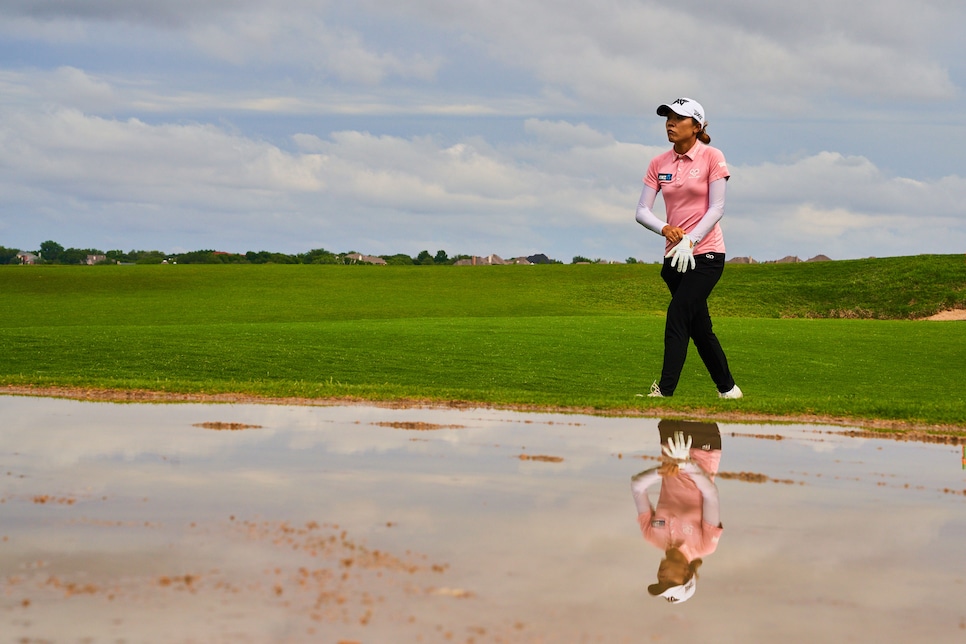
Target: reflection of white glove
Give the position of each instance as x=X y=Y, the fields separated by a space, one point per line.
x=677 y=448
x=681 y=257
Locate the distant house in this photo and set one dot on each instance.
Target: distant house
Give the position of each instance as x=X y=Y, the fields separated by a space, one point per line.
x=356 y=258
x=94 y=259
x=489 y=260
x=789 y=259
x=539 y=258
x=26 y=258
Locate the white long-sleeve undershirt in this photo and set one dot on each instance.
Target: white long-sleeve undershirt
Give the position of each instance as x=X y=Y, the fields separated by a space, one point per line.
x=716 y=201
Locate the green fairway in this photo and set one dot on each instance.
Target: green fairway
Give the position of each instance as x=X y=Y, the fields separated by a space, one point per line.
x=827 y=338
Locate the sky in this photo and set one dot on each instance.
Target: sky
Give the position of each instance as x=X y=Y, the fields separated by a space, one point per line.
x=476 y=127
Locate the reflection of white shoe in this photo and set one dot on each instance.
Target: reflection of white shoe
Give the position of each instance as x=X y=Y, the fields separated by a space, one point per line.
x=734 y=394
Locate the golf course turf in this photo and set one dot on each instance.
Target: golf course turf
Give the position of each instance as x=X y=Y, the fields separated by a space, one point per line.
x=835 y=341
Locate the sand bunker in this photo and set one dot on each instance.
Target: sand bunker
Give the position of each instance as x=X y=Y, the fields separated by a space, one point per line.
x=952 y=314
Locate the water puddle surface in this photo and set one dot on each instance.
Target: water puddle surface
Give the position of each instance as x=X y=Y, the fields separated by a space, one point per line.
x=258 y=523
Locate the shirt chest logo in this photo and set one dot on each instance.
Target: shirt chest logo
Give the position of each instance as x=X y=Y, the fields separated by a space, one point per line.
x=667 y=176
x=694 y=173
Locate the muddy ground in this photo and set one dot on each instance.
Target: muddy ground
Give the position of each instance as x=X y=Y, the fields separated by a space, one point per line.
x=899 y=430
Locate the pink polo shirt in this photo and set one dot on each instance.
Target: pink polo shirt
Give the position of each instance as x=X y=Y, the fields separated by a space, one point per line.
x=684 y=179
x=678 y=519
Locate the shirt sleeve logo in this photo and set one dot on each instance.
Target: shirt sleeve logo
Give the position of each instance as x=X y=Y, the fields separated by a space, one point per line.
x=664 y=177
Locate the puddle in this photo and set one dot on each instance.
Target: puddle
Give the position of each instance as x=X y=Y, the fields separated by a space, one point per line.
x=251 y=523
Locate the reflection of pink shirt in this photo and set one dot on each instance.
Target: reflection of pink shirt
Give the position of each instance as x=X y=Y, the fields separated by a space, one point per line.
x=677 y=518
x=684 y=180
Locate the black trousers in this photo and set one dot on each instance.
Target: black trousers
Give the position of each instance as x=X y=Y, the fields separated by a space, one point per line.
x=688 y=319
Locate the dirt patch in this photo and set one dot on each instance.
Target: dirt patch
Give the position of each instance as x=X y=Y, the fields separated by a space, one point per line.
x=754 y=477
x=417 y=426
x=234 y=427
x=541 y=458
x=43 y=499
x=945 y=316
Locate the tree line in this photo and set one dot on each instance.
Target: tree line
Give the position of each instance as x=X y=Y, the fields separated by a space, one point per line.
x=50 y=252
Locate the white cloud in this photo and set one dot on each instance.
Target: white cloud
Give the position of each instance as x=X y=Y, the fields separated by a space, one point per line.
x=622 y=55
x=843 y=207
x=136 y=160
x=268 y=37
x=474 y=126
x=615 y=56
x=393 y=191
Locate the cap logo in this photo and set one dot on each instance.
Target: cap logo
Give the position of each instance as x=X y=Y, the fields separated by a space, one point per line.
x=694 y=113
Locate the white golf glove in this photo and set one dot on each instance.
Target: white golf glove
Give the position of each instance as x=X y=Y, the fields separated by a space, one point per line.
x=681 y=255
x=677 y=448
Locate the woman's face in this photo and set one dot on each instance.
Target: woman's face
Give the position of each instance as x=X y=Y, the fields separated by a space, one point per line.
x=681 y=129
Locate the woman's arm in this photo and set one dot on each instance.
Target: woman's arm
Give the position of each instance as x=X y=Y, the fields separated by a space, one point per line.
x=645 y=216
x=716 y=203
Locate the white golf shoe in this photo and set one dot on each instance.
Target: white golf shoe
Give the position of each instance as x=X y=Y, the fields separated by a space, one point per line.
x=655 y=392
x=733 y=394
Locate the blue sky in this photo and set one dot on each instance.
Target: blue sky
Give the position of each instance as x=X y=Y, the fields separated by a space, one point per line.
x=476 y=127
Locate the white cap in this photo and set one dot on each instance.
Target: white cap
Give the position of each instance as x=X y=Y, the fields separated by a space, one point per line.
x=684 y=107
x=678 y=594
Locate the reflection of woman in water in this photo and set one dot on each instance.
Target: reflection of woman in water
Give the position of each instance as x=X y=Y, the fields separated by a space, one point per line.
x=686 y=523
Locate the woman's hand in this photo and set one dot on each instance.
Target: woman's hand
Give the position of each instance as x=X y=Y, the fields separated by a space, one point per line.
x=673 y=233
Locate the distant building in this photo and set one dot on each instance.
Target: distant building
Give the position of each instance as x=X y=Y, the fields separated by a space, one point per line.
x=366 y=259
x=94 y=259
x=26 y=258
x=788 y=259
x=489 y=260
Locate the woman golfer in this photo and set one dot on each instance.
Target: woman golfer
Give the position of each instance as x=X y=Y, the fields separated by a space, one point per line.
x=692 y=177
